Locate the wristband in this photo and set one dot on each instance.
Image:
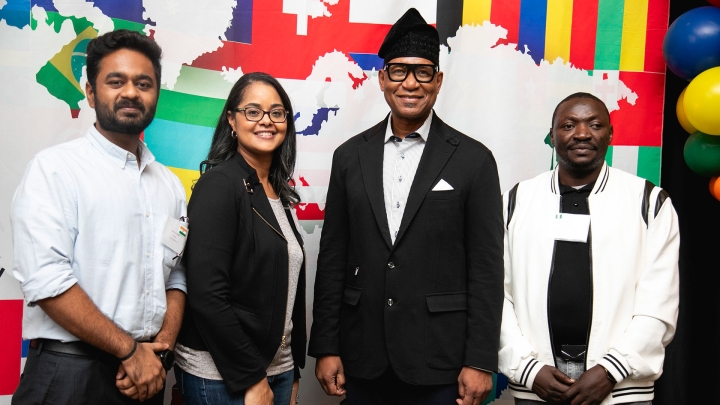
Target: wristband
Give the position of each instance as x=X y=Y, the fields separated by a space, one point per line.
x=131 y=352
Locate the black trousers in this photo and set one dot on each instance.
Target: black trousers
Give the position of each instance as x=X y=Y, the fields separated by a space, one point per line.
x=65 y=379
x=388 y=389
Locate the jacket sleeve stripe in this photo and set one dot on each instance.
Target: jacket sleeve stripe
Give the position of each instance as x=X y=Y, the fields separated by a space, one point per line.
x=615 y=362
x=520 y=389
x=526 y=372
x=648 y=389
x=643 y=392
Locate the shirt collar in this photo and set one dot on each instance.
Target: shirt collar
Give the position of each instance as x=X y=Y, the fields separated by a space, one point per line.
x=569 y=189
x=423 y=131
x=120 y=156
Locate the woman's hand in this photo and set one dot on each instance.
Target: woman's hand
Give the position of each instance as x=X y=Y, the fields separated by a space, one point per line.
x=293 y=397
x=259 y=394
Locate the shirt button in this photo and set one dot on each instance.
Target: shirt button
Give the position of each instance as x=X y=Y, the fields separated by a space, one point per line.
x=147 y=292
x=576 y=204
x=400 y=179
x=391 y=265
x=147 y=214
x=402 y=156
x=397 y=205
x=391 y=302
x=147 y=254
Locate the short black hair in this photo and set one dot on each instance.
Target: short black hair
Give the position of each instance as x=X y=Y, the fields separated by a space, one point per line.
x=574 y=96
x=113 y=41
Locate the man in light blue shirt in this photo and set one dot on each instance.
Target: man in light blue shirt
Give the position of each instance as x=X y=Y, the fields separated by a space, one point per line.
x=104 y=297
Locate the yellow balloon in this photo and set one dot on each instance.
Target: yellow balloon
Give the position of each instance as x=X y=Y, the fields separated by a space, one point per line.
x=702 y=101
x=680 y=111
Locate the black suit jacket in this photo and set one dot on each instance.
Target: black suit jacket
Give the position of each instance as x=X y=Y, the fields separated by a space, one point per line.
x=444 y=274
x=236 y=260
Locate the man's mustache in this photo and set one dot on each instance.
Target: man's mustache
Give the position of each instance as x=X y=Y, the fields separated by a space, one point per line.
x=129 y=104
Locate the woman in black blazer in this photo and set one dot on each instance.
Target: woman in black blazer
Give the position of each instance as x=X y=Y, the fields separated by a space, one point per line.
x=243 y=335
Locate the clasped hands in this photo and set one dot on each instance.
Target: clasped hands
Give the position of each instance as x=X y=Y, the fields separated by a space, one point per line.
x=555 y=387
x=142 y=375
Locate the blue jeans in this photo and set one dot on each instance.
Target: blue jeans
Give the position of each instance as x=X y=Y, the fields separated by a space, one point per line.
x=199 y=391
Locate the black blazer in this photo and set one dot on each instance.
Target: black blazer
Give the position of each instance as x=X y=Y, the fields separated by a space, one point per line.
x=237 y=277
x=444 y=274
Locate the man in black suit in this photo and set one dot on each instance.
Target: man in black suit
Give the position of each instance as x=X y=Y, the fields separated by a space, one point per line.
x=409 y=286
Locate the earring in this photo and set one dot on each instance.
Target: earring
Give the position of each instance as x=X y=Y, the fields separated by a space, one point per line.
x=233 y=134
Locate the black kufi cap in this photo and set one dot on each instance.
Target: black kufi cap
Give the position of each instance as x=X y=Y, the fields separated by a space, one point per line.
x=411 y=36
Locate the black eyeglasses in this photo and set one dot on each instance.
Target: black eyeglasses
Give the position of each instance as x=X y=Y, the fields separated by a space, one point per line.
x=277 y=115
x=397 y=72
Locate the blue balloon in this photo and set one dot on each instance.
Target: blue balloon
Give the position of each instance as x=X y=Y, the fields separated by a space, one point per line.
x=692 y=43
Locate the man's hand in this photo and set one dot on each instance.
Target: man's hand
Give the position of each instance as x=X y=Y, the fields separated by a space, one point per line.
x=473 y=386
x=329 y=371
x=124 y=384
x=591 y=388
x=259 y=394
x=144 y=370
x=551 y=384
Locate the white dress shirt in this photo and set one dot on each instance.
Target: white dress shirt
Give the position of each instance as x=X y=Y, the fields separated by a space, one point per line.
x=85 y=213
x=401 y=158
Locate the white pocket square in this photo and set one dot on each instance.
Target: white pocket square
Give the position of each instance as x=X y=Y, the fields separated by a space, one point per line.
x=442 y=185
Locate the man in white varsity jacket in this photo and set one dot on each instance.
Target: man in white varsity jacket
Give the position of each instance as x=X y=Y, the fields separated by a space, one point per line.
x=591 y=273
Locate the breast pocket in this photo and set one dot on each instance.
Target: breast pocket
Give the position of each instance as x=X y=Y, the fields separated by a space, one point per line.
x=445 y=329
x=444 y=194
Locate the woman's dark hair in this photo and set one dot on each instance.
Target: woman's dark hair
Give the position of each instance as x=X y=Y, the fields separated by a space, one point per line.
x=224 y=145
x=113 y=41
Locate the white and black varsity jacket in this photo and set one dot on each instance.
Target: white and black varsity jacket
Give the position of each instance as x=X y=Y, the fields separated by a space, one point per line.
x=634 y=263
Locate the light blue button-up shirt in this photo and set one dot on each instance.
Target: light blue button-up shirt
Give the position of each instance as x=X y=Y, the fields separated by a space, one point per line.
x=85 y=213
x=400 y=162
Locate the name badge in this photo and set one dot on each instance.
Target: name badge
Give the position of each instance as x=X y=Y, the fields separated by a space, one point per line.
x=571 y=227
x=175 y=234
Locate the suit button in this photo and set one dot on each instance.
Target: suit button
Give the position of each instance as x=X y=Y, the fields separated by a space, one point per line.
x=391 y=265
x=391 y=302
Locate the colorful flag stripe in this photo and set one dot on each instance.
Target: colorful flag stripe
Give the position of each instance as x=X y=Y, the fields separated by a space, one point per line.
x=10 y=345
x=649 y=163
x=189 y=108
x=584 y=31
x=632 y=51
x=559 y=30
x=178 y=144
x=531 y=33
x=657 y=25
x=507 y=15
x=609 y=34
x=187 y=178
x=476 y=11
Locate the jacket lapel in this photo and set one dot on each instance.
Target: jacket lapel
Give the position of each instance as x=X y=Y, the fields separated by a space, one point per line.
x=440 y=146
x=258 y=199
x=371 y=166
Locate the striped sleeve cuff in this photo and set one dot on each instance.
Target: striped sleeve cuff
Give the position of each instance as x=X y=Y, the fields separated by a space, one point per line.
x=528 y=370
x=616 y=365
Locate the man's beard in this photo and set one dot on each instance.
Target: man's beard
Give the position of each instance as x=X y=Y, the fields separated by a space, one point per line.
x=580 y=167
x=109 y=120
